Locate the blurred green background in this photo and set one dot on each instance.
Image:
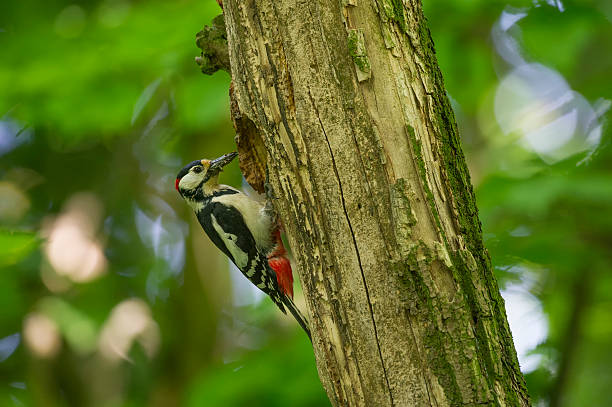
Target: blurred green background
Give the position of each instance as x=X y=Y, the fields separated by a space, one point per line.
x=110 y=294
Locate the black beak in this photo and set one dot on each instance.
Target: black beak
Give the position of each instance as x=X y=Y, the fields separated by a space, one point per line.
x=217 y=164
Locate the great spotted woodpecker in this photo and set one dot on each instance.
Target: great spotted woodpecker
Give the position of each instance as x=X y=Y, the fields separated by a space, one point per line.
x=243 y=228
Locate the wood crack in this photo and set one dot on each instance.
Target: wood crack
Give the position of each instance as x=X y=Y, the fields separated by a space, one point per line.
x=382 y=361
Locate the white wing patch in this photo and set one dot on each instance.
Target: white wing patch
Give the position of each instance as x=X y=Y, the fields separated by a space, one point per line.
x=240 y=258
x=257 y=221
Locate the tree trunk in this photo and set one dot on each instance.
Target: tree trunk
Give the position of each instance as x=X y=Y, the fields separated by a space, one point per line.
x=343 y=104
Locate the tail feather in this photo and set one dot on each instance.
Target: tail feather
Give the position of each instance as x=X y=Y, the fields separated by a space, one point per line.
x=299 y=317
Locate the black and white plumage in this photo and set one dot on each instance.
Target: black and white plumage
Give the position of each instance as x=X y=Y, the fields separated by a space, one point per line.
x=241 y=227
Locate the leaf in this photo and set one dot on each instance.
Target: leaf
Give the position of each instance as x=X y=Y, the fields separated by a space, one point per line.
x=16 y=245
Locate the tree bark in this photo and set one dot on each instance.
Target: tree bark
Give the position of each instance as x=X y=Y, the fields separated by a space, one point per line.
x=343 y=104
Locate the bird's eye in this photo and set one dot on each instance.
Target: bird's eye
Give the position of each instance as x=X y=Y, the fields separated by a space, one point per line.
x=197 y=170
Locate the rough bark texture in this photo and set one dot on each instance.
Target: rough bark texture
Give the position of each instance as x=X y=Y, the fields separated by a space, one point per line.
x=345 y=105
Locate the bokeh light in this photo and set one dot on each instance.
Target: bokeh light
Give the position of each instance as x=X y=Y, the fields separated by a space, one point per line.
x=71 y=244
x=112 y=295
x=130 y=321
x=41 y=335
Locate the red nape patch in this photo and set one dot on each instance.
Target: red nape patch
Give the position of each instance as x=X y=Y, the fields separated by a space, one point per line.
x=176 y=183
x=284 y=276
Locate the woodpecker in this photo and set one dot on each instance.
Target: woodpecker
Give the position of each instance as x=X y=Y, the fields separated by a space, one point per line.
x=243 y=228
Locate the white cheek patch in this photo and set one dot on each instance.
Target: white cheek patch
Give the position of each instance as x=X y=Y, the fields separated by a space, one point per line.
x=191 y=181
x=240 y=258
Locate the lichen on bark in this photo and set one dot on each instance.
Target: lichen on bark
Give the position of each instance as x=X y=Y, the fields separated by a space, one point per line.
x=357 y=51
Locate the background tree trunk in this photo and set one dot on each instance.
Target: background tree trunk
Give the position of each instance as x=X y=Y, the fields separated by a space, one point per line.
x=344 y=103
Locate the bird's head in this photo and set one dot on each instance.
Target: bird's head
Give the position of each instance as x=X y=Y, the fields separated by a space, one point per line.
x=200 y=178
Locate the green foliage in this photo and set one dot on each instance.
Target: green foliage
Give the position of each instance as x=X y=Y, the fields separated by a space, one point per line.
x=259 y=372
x=88 y=82
x=104 y=98
x=14 y=246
